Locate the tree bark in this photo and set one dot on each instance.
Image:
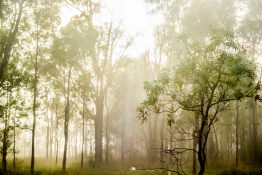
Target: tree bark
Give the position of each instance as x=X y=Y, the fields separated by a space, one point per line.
x=32 y=167
x=99 y=124
x=75 y=146
x=7 y=48
x=107 y=136
x=83 y=139
x=66 y=123
x=14 y=146
x=56 y=137
x=237 y=123
x=162 y=142
x=47 y=135
x=202 y=140
x=195 y=141
x=123 y=128
x=4 y=147
x=254 y=131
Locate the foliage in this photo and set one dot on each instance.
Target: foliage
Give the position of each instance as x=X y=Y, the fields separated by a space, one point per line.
x=217 y=74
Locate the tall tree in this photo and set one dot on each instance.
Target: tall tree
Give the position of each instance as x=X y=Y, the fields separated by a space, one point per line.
x=74 y=45
x=10 y=20
x=203 y=93
x=14 y=79
x=45 y=21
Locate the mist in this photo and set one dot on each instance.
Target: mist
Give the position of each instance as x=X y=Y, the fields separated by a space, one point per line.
x=135 y=87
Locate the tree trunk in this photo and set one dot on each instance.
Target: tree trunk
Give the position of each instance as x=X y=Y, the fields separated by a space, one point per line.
x=162 y=142
x=5 y=135
x=154 y=140
x=149 y=153
x=75 y=146
x=99 y=125
x=195 y=140
x=32 y=167
x=66 y=121
x=47 y=135
x=243 y=139
x=107 y=136
x=237 y=122
x=83 y=139
x=254 y=130
x=4 y=146
x=123 y=135
x=202 y=140
x=56 y=137
x=51 y=140
x=14 y=146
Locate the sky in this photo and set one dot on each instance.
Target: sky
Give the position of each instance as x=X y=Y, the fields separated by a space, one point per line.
x=137 y=21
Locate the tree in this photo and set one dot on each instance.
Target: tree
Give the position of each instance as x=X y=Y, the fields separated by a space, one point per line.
x=14 y=79
x=205 y=82
x=250 y=32
x=75 y=44
x=9 y=29
x=44 y=21
x=83 y=92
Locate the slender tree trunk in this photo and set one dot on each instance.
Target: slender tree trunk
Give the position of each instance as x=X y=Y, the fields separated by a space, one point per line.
x=14 y=146
x=56 y=137
x=5 y=135
x=99 y=124
x=154 y=140
x=32 y=168
x=243 y=139
x=4 y=146
x=107 y=136
x=51 y=140
x=254 y=130
x=216 y=144
x=162 y=142
x=149 y=148
x=123 y=136
x=75 y=146
x=237 y=122
x=35 y=93
x=83 y=140
x=195 y=141
x=66 y=121
x=202 y=140
x=47 y=135
x=90 y=142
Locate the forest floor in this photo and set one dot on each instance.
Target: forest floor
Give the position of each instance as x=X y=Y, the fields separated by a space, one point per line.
x=92 y=171
x=44 y=167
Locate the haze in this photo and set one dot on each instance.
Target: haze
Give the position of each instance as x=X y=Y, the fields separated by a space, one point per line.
x=130 y=87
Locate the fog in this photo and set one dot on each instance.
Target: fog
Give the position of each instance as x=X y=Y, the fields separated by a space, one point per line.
x=130 y=87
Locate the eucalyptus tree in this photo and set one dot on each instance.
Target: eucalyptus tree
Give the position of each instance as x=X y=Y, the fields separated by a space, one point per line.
x=101 y=59
x=193 y=19
x=14 y=79
x=75 y=43
x=11 y=15
x=83 y=91
x=38 y=38
x=250 y=32
x=102 y=62
x=11 y=78
x=204 y=83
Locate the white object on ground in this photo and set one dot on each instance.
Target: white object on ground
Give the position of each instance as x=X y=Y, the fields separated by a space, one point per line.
x=132 y=168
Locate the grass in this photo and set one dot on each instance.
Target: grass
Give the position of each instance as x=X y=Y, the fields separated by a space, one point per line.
x=71 y=171
x=43 y=167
